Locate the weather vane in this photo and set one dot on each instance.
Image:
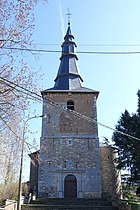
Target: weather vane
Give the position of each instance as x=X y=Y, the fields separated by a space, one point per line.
x=68 y=14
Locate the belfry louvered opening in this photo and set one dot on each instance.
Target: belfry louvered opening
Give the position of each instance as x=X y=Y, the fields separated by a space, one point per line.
x=70 y=105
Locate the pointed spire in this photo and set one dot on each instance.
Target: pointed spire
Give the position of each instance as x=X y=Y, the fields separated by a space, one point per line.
x=69 y=36
x=68 y=77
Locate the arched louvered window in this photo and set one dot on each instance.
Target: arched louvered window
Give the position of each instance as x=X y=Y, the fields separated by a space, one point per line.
x=70 y=105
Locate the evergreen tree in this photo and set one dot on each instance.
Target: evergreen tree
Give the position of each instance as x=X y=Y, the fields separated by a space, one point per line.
x=138 y=110
x=129 y=148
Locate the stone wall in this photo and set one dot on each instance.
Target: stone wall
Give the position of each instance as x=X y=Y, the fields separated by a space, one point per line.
x=34 y=166
x=70 y=145
x=60 y=121
x=111 y=178
x=71 y=156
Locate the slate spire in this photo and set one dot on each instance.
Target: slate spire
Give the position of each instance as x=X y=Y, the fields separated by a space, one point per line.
x=68 y=77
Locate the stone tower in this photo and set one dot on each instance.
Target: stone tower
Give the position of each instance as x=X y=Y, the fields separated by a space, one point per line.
x=69 y=147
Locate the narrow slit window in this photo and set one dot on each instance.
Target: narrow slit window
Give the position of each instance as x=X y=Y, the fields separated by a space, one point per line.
x=70 y=105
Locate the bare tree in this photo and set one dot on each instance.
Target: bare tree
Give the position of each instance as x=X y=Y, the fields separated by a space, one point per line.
x=16 y=28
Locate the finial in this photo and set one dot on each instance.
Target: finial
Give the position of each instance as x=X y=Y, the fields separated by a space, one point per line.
x=68 y=14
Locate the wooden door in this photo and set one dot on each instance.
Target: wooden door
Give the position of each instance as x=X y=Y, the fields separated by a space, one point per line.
x=70 y=186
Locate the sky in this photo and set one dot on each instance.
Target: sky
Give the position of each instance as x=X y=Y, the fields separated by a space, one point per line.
x=98 y=26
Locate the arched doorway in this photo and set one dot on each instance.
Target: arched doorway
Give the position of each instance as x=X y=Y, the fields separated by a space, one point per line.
x=70 y=186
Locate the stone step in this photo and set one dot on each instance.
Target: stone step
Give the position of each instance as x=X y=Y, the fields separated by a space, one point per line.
x=69 y=204
x=66 y=207
x=72 y=201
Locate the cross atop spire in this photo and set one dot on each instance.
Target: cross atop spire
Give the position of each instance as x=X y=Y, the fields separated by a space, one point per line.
x=69 y=15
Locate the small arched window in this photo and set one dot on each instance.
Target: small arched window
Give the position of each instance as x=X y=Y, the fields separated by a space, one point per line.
x=70 y=105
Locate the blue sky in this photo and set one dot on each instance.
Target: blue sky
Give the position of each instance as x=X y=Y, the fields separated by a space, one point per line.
x=97 y=25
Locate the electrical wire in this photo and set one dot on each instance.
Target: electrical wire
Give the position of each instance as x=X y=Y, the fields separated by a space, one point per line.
x=80 y=52
x=18 y=137
x=64 y=109
x=92 y=45
x=27 y=92
x=74 y=112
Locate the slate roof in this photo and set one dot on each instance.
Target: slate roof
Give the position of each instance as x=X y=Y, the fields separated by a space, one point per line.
x=68 y=78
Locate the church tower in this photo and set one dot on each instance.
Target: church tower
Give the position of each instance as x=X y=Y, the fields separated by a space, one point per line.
x=69 y=164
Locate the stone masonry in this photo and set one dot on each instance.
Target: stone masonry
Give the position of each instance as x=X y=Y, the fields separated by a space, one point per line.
x=111 y=177
x=70 y=147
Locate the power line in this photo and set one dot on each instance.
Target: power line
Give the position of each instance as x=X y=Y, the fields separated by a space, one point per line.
x=109 y=45
x=74 y=112
x=93 y=45
x=32 y=50
x=82 y=44
x=27 y=92
x=15 y=86
x=80 y=52
x=22 y=140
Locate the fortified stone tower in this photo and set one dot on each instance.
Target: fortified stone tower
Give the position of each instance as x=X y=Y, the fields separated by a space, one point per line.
x=69 y=146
